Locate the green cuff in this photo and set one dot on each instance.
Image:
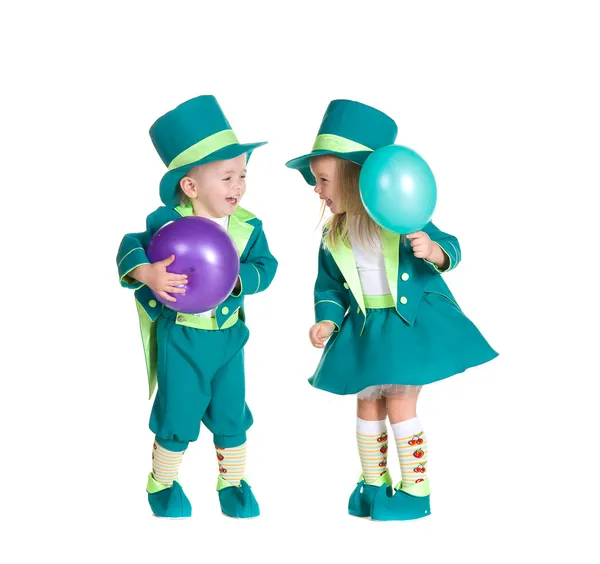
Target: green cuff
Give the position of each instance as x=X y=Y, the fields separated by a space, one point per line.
x=330 y=310
x=153 y=486
x=222 y=483
x=421 y=489
x=451 y=263
x=129 y=262
x=250 y=278
x=380 y=481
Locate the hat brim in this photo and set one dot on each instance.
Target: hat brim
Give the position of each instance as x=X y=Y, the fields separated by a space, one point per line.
x=168 y=184
x=302 y=163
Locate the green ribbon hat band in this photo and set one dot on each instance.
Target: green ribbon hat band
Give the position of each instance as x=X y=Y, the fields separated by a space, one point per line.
x=329 y=142
x=204 y=148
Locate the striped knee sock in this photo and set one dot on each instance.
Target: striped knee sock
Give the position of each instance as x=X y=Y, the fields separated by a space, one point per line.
x=165 y=464
x=372 y=441
x=412 y=451
x=232 y=463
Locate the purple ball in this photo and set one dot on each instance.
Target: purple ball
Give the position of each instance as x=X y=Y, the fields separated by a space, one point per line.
x=206 y=253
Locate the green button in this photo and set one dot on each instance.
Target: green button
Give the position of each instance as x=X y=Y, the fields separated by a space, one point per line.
x=403 y=300
x=346 y=285
x=225 y=310
x=405 y=277
x=152 y=303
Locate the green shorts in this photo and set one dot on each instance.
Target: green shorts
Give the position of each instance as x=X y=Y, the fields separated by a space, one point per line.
x=200 y=379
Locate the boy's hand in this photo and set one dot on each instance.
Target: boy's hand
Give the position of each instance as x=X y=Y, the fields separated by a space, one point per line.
x=156 y=277
x=320 y=332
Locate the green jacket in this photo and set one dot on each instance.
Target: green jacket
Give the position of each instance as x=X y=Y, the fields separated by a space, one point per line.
x=338 y=290
x=257 y=270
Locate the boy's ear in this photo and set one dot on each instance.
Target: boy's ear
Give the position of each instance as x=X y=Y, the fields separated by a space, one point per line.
x=188 y=187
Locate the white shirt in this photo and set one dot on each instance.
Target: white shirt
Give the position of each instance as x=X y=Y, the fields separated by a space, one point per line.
x=371 y=268
x=224 y=223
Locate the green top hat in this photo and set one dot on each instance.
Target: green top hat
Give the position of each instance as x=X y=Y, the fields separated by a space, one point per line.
x=194 y=133
x=349 y=130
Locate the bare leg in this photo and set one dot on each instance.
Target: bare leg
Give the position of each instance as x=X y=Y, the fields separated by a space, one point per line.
x=371 y=409
x=403 y=406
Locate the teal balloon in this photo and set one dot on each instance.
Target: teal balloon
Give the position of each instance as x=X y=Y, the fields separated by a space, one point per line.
x=398 y=189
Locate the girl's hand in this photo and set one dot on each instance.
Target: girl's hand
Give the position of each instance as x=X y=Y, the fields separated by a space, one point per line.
x=423 y=247
x=320 y=332
x=156 y=277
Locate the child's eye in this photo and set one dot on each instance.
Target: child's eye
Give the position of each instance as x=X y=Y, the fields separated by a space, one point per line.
x=323 y=180
x=228 y=178
x=243 y=176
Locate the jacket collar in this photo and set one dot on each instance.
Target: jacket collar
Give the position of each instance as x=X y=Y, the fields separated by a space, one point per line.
x=238 y=226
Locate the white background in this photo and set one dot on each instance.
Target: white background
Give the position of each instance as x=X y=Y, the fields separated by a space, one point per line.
x=501 y=99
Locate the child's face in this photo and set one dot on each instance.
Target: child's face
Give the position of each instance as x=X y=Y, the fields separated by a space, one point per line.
x=325 y=170
x=216 y=188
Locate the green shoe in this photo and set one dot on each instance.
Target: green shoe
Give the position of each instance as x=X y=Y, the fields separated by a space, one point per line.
x=168 y=501
x=237 y=501
x=402 y=504
x=362 y=497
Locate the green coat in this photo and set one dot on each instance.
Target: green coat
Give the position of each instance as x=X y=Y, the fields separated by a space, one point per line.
x=257 y=270
x=338 y=288
x=417 y=337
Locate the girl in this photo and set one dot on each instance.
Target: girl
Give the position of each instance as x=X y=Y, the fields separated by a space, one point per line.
x=390 y=322
x=198 y=359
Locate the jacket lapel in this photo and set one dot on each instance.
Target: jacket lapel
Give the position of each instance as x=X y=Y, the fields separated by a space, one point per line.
x=238 y=227
x=344 y=258
x=391 y=256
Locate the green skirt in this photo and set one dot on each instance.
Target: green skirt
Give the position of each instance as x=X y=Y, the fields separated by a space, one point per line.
x=440 y=343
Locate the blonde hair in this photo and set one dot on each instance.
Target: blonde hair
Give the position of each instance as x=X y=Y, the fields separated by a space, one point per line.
x=355 y=221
